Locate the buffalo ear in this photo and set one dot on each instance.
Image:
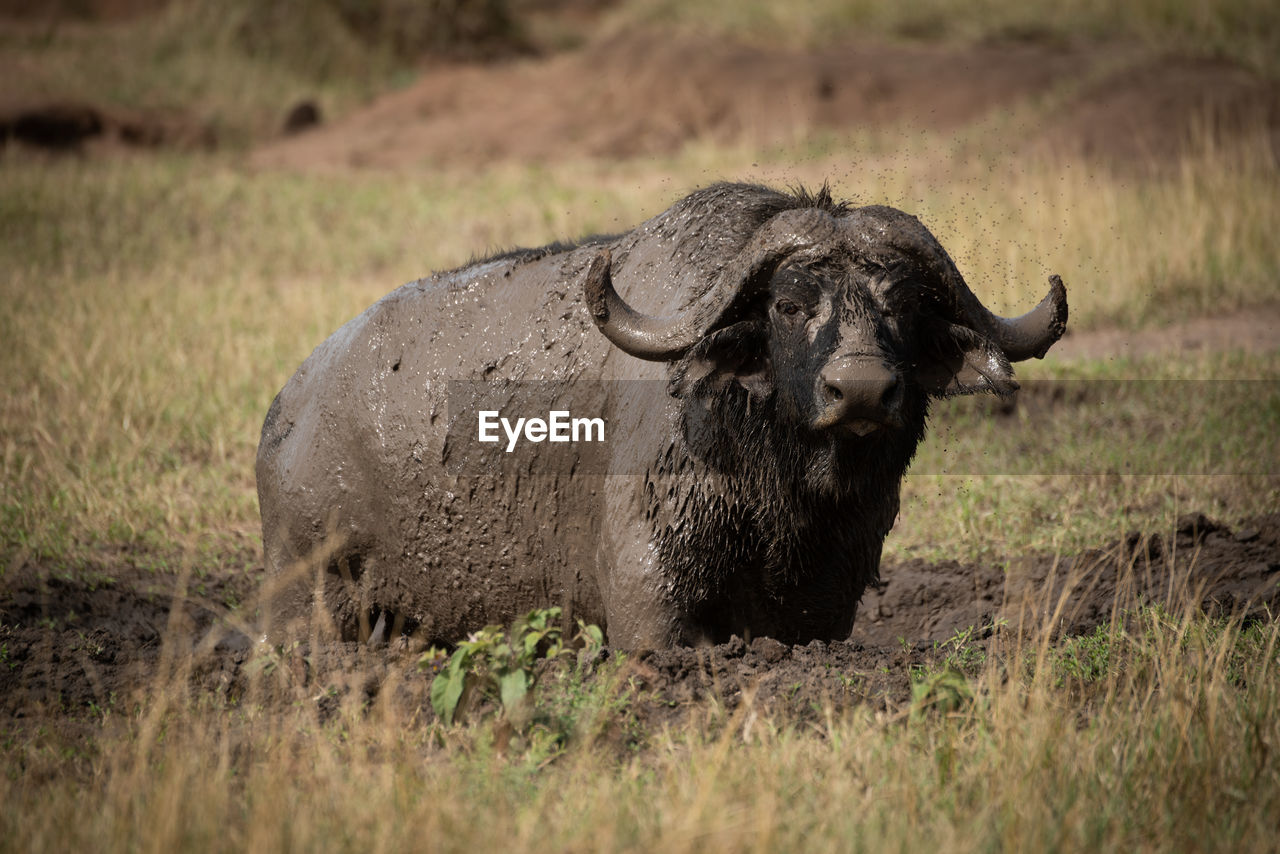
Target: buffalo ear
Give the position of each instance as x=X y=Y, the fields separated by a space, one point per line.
x=964 y=362
x=734 y=354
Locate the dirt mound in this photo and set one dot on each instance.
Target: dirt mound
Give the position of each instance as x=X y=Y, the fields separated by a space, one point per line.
x=75 y=645
x=645 y=94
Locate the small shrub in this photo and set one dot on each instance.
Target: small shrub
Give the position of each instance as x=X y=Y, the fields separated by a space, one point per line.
x=501 y=666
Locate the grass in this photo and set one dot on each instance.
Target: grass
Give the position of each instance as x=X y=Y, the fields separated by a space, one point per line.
x=235 y=67
x=157 y=305
x=1163 y=740
x=1145 y=442
x=1242 y=30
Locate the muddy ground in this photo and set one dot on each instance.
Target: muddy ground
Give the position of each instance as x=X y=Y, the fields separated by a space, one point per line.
x=74 y=646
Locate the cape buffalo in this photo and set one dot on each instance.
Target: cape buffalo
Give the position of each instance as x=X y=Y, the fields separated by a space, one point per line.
x=796 y=343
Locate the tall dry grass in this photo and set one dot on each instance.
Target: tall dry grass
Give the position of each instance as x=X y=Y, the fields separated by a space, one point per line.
x=154 y=307
x=1156 y=732
x=1243 y=30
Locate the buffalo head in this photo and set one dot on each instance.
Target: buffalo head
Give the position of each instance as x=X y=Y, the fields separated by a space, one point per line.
x=843 y=322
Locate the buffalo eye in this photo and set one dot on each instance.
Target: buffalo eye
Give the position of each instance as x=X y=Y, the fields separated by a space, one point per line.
x=787 y=307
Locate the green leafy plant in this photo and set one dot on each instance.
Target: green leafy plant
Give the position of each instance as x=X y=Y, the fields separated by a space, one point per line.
x=1086 y=658
x=963 y=653
x=945 y=690
x=501 y=665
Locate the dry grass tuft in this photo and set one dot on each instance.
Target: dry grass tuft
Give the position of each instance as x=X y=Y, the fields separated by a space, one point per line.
x=1156 y=731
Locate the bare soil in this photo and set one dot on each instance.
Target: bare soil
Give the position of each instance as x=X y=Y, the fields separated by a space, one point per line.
x=644 y=94
x=77 y=643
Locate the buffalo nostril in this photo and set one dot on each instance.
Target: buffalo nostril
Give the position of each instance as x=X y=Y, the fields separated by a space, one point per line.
x=856 y=390
x=890 y=384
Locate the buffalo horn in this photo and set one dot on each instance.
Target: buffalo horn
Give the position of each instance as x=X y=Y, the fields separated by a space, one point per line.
x=666 y=338
x=880 y=232
x=1023 y=337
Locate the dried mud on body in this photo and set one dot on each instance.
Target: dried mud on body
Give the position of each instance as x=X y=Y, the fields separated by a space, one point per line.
x=74 y=648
